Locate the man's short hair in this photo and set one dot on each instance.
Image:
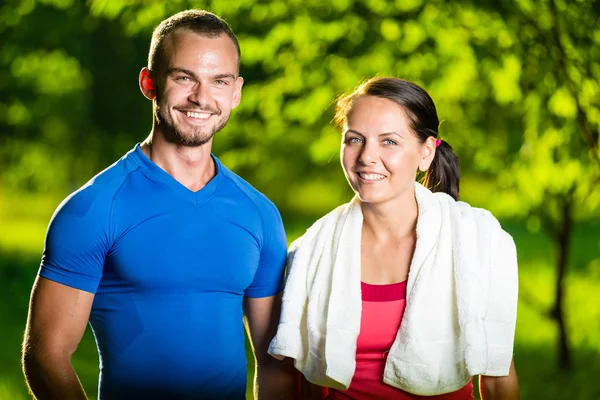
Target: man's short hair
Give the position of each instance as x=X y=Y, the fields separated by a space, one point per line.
x=199 y=21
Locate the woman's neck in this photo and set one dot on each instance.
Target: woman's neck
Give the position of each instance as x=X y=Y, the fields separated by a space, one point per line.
x=392 y=220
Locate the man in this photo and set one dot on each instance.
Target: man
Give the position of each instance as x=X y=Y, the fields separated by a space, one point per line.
x=160 y=250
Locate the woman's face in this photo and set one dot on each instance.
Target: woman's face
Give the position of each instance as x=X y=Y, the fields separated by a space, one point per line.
x=380 y=152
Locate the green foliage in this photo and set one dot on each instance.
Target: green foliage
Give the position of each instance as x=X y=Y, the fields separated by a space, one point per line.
x=69 y=95
x=297 y=58
x=558 y=161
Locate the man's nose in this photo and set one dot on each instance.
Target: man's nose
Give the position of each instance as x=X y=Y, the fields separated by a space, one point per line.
x=200 y=94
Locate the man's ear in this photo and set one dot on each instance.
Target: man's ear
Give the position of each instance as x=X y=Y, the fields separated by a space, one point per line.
x=237 y=92
x=147 y=84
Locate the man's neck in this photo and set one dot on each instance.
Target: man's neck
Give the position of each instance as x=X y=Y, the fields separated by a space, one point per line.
x=193 y=167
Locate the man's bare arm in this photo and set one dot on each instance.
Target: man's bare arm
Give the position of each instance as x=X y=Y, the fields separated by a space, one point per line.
x=500 y=387
x=274 y=379
x=58 y=315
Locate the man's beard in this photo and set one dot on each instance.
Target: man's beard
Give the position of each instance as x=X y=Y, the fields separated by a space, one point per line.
x=192 y=136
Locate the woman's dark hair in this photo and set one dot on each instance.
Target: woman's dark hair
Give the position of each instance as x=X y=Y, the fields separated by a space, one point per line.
x=443 y=175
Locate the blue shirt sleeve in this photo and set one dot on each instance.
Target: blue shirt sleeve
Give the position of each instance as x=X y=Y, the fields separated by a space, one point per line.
x=268 y=280
x=77 y=240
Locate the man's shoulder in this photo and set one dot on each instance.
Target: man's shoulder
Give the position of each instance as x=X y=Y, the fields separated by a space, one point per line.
x=259 y=199
x=99 y=192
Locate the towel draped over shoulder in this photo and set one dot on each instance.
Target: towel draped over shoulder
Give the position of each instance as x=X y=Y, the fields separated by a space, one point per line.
x=461 y=299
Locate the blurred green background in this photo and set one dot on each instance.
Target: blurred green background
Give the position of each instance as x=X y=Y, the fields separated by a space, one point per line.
x=516 y=84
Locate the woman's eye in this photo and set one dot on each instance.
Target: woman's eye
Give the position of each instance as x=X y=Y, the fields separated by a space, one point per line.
x=353 y=140
x=389 y=142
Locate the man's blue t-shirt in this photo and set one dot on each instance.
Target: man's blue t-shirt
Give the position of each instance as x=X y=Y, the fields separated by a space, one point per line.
x=169 y=268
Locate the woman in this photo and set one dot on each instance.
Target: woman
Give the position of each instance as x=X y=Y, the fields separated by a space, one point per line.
x=405 y=291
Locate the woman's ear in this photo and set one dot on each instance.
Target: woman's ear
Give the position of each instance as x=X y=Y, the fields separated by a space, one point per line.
x=427 y=153
x=147 y=84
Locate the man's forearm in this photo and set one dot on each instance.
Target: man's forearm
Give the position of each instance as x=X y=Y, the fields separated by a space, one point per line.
x=310 y=391
x=51 y=378
x=275 y=380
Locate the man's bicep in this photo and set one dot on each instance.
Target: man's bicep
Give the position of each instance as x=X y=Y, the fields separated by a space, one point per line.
x=269 y=276
x=58 y=315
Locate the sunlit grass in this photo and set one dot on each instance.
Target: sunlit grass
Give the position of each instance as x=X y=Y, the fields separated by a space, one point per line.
x=23 y=221
x=23 y=236
x=11 y=390
x=535 y=328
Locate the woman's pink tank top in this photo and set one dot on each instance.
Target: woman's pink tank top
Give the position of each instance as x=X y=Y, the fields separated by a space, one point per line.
x=382 y=310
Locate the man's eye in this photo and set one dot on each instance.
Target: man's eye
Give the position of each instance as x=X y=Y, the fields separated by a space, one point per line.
x=183 y=79
x=221 y=82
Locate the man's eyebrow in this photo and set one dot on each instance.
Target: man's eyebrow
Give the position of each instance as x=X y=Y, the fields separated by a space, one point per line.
x=224 y=76
x=175 y=70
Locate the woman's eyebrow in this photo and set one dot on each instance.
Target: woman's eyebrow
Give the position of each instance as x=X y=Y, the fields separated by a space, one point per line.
x=391 y=133
x=353 y=131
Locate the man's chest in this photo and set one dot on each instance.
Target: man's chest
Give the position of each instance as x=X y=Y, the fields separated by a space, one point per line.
x=184 y=250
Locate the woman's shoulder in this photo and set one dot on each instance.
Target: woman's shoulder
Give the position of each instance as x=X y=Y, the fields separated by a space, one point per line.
x=325 y=223
x=468 y=211
x=487 y=225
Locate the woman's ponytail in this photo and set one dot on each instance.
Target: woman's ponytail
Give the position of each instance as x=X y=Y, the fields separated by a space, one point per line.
x=443 y=174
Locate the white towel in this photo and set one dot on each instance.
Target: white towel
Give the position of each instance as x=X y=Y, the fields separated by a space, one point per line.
x=461 y=299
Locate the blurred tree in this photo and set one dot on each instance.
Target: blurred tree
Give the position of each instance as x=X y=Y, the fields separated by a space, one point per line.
x=297 y=57
x=68 y=84
x=555 y=175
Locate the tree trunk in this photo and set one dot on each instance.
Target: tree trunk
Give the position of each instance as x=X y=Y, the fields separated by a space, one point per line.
x=562 y=243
